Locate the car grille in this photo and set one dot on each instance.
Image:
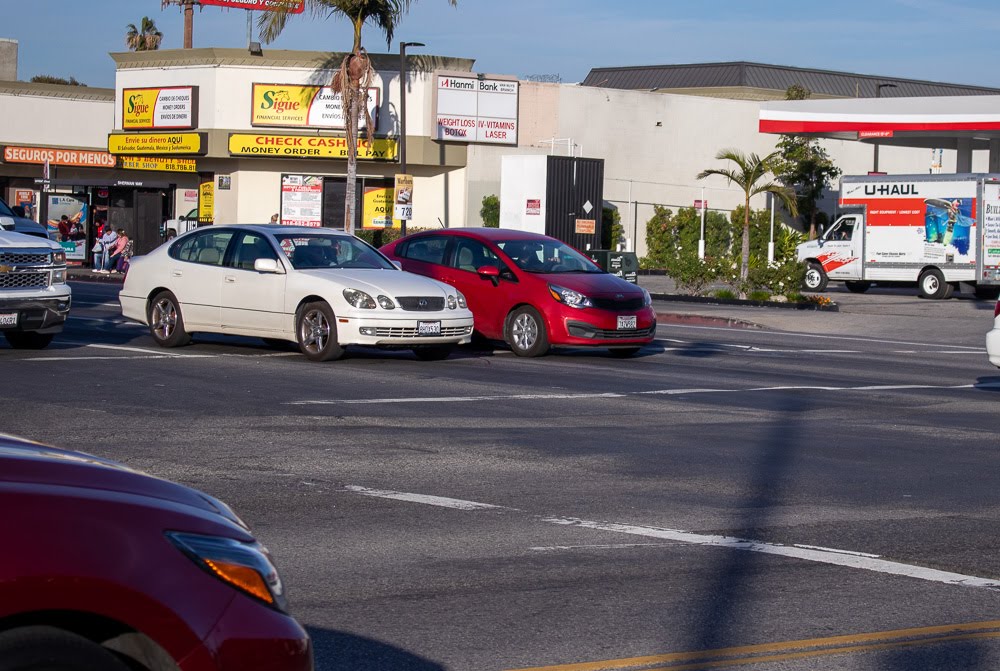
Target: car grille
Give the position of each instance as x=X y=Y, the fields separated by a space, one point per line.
x=403 y=332
x=618 y=305
x=624 y=334
x=431 y=303
x=24 y=258
x=24 y=280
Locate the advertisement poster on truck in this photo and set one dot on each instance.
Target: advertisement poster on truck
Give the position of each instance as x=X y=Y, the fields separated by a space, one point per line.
x=991 y=232
x=911 y=221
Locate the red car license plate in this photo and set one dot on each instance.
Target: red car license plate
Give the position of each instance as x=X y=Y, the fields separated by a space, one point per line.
x=626 y=322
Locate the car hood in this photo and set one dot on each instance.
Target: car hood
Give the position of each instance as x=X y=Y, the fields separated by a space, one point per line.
x=593 y=284
x=22 y=240
x=388 y=282
x=25 y=462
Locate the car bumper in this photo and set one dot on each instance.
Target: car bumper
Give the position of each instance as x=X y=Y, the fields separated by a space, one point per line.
x=133 y=307
x=385 y=332
x=40 y=314
x=600 y=328
x=252 y=637
x=993 y=346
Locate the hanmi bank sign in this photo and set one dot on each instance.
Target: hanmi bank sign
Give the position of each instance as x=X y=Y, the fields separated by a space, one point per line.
x=476 y=108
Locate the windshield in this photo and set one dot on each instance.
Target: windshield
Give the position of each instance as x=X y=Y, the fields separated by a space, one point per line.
x=323 y=250
x=547 y=256
x=4 y=210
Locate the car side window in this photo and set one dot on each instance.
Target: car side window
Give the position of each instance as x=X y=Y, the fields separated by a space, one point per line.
x=249 y=248
x=428 y=249
x=206 y=247
x=471 y=255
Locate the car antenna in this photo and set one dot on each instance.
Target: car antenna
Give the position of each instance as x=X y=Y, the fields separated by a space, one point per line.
x=441 y=222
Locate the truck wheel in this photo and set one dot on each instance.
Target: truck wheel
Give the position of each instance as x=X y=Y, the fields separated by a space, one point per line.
x=815 y=279
x=858 y=287
x=165 y=322
x=526 y=332
x=932 y=285
x=316 y=329
x=34 y=648
x=28 y=339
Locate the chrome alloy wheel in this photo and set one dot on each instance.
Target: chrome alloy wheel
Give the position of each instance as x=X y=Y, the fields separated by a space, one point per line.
x=524 y=331
x=164 y=318
x=314 y=331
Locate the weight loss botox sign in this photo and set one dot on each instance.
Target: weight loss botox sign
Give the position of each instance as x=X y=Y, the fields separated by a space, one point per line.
x=470 y=109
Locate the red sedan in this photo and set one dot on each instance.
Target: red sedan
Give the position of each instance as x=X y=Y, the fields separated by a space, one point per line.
x=108 y=568
x=532 y=291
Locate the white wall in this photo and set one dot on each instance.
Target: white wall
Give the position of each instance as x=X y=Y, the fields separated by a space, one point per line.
x=62 y=122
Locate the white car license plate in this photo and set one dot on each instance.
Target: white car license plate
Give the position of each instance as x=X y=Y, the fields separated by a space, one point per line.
x=429 y=328
x=8 y=319
x=626 y=322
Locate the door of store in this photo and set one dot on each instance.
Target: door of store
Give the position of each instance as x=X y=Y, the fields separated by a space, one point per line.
x=140 y=213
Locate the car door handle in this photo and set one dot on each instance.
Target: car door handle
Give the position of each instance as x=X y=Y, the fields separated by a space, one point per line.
x=177 y=273
x=231 y=279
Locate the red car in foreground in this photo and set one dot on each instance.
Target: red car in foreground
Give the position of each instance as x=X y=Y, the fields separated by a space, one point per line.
x=532 y=291
x=107 y=569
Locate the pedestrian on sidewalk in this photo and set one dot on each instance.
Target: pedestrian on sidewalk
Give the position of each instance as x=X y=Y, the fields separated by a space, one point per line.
x=108 y=242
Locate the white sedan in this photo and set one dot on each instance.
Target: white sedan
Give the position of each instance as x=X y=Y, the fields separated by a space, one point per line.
x=319 y=288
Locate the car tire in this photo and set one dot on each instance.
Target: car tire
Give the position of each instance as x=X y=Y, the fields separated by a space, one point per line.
x=624 y=352
x=316 y=332
x=932 y=285
x=526 y=334
x=815 y=279
x=50 y=649
x=858 y=287
x=28 y=339
x=166 y=324
x=433 y=352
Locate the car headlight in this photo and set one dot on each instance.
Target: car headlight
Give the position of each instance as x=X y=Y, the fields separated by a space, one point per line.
x=359 y=299
x=461 y=300
x=646 y=298
x=452 y=302
x=574 y=299
x=59 y=276
x=59 y=257
x=245 y=566
x=386 y=303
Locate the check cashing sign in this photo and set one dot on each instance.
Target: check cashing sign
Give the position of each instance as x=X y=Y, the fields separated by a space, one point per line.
x=308 y=146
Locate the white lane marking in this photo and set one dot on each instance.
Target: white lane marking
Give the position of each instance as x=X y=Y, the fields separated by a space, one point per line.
x=613 y=546
x=440 y=501
x=651 y=392
x=143 y=350
x=106 y=321
x=797 y=334
x=832 y=556
x=101 y=358
x=823 y=556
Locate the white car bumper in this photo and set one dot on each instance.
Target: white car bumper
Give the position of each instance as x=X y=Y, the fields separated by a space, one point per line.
x=993 y=346
x=385 y=332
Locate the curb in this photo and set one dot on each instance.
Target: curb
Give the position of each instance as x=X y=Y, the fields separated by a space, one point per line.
x=702 y=320
x=97 y=278
x=708 y=300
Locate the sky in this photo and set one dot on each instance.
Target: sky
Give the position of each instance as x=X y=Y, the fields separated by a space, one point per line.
x=953 y=41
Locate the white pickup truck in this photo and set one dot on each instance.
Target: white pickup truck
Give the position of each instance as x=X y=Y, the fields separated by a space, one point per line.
x=34 y=296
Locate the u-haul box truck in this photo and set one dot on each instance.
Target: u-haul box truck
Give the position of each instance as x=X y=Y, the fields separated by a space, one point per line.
x=933 y=231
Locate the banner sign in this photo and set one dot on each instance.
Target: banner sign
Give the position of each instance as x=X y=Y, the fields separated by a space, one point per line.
x=168 y=107
x=301 y=200
x=293 y=6
x=376 y=211
x=403 y=197
x=308 y=146
x=206 y=201
x=293 y=105
x=470 y=109
x=158 y=163
x=74 y=157
x=991 y=233
x=157 y=143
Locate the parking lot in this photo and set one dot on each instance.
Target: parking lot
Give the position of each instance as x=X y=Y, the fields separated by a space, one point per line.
x=813 y=492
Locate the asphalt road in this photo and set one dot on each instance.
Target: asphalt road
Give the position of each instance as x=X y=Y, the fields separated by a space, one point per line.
x=818 y=497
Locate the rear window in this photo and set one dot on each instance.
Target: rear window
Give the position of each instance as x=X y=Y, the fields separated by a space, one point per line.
x=428 y=250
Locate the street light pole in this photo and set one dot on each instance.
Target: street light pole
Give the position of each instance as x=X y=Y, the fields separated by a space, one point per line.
x=402 y=112
x=878 y=94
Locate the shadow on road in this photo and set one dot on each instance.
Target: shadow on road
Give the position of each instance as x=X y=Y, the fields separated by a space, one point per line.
x=340 y=651
x=988 y=383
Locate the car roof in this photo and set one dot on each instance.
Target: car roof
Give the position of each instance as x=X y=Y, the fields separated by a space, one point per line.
x=275 y=229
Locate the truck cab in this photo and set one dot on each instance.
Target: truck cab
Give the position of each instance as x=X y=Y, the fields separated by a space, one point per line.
x=836 y=255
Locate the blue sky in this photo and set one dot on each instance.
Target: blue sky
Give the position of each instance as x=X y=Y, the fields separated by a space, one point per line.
x=939 y=40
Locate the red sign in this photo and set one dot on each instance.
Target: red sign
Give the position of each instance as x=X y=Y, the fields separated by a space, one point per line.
x=701 y=204
x=47 y=155
x=863 y=134
x=293 y=6
x=534 y=206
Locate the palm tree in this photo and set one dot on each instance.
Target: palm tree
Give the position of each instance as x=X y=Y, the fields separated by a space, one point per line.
x=747 y=174
x=144 y=38
x=351 y=81
x=187 y=6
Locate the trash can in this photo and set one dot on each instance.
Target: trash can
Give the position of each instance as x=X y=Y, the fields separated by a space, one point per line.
x=623 y=264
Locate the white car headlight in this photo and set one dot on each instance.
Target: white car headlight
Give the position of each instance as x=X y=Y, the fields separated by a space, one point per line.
x=574 y=299
x=386 y=303
x=461 y=300
x=646 y=298
x=359 y=299
x=452 y=302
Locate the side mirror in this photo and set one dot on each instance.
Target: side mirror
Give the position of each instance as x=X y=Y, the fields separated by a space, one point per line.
x=398 y=264
x=267 y=266
x=7 y=223
x=491 y=273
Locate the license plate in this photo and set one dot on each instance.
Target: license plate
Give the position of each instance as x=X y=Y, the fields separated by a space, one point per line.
x=8 y=319
x=626 y=322
x=429 y=328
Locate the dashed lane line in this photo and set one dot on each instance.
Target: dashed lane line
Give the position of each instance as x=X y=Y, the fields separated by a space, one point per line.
x=440 y=501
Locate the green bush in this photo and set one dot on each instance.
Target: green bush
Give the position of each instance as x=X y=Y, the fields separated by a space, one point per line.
x=490 y=211
x=376 y=237
x=612 y=230
x=725 y=294
x=759 y=295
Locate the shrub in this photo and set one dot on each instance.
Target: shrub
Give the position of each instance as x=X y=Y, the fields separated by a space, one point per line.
x=612 y=230
x=725 y=294
x=760 y=295
x=490 y=211
x=376 y=237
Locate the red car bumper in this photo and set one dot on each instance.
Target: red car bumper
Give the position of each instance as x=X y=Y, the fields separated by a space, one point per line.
x=602 y=328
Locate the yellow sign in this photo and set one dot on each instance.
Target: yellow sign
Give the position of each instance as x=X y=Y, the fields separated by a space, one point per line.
x=296 y=105
x=206 y=201
x=160 y=108
x=308 y=146
x=377 y=211
x=156 y=143
x=586 y=226
x=157 y=163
